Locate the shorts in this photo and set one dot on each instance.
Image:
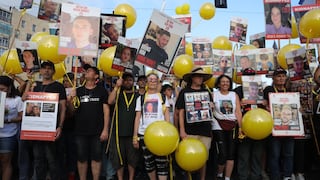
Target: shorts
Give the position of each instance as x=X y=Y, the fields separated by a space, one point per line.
x=204 y=139
x=89 y=147
x=129 y=154
x=8 y=144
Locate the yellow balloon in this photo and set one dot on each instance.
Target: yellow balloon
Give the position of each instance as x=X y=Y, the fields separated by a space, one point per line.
x=235 y=78
x=60 y=71
x=257 y=124
x=247 y=47
x=294 y=28
x=309 y=25
x=281 y=57
x=48 y=49
x=105 y=61
x=178 y=10
x=36 y=37
x=222 y=43
x=211 y=82
x=129 y=11
x=185 y=8
x=188 y=49
x=161 y=138
x=12 y=64
x=183 y=64
x=207 y=11
x=191 y=154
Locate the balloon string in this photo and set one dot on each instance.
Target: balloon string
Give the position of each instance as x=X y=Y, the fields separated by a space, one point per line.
x=170 y=167
x=23 y=12
x=189 y=176
x=75 y=73
x=279 y=44
x=196 y=24
x=234 y=48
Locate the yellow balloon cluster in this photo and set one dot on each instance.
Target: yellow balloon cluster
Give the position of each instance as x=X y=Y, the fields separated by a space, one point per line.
x=161 y=138
x=105 y=61
x=222 y=43
x=10 y=65
x=48 y=49
x=36 y=37
x=183 y=64
x=257 y=124
x=207 y=11
x=191 y=154
x=184 y=9
x=309 y=25
x=281 y=57
x=129 y=11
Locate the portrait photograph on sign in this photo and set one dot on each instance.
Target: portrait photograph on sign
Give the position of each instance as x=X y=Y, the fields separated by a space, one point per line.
x=286 y=115
x=258 y=40
x=264 y=60
x=79 y=30
x=49 y=10
x=161 y=42
x=252 y=89
x=198 y=107
x=278 y=17
x=238 y=30
x=28 y=56
x=222 y=62
x=298 y=66
x=26 y=4
x=202 y=51
x=112 y=27
x=244 y=59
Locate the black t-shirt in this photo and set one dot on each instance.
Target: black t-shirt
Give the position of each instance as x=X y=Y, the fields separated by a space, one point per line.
x=89 y=117
x=269 y=89
x=198 y=128
x=156 y=53
x=126 y=115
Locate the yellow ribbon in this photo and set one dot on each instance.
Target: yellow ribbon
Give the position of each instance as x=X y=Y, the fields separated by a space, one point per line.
x=126 y=99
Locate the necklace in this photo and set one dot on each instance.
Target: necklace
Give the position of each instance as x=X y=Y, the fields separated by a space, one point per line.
x=126 y=99
x=276 y=90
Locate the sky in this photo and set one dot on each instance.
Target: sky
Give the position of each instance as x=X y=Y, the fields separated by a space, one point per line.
x=252 y=10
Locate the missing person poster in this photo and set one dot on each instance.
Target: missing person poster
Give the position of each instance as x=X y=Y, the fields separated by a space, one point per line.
x=198 y=107
x=286 y=115
x=222 y=63
x=79 y=30
x=49 y=10
x=161 y=41
x=39 y=119
x=28 y=56
x=186 y=19
x=125 y=53
x=258 y=40
x=252 y=89
x=112 y=27
x=3 y=110
x=244 y=59
x=238 y=30
x=202 y=51
x=277 y=18
x=298 y=66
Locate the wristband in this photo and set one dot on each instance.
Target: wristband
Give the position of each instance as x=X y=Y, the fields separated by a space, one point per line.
x=135 y=138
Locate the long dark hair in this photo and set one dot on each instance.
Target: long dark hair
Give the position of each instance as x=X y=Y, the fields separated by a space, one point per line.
x=284 y=17
x=8 y=82
x=218 y=81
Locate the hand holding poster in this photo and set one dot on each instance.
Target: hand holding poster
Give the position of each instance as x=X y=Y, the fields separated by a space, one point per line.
x=79 y=30
x=161 y=41
x=285 y=112
x=39 y=117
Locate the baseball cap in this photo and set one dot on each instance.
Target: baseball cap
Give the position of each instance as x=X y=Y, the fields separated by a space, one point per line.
x=279 y=70
x=248 y=71
x=127 y=75
x=49 y=64
x=88 y=66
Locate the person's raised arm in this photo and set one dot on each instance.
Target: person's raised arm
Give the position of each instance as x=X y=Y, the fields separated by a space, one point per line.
x=113 y=95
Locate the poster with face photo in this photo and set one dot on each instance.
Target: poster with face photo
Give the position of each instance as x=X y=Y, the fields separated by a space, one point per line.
x=125 y=52
x=112 y=27
x=298 y=12
x=3 y=110
x=49 y=10
x=186 y=19
x=245 y=59
x=264 y=60
x=28 y=56
x=304 y=87
x=238 y=30
x=286 y=115
x=258 y=40
x=252 y=89
x=79 y=30
x=26 y=4
x=277 y=18
x=80 y=61
x=222 y=62
x=161 y=42
x=202 y=51
x=297 y=64
x=198 y=107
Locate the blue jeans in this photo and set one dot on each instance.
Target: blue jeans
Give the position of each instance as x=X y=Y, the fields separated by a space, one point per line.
x=106 y=169
x=24 y=159
x=281 y=147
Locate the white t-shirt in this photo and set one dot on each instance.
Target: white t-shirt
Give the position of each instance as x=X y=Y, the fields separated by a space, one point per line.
x=152 y=110
x=14 y=106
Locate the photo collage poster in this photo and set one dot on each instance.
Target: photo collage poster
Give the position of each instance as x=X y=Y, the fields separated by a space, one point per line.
x=3 y=110
x=261 y=60
x=298 y=12
x=186 y=19
x=252 y=89
x=79 y=30
x=202 y=51
x=222 y=62
x=112 y=27
x=277 y=18
x=39 y=118
x=26 y=4
x=167 y=30
x=49 y=10
x=304 y=87
x=198 y=107
x=285 y=113
x=125 y=53
x=298 y=65
x=238 y=30
x=258 y=40
x=28 y=55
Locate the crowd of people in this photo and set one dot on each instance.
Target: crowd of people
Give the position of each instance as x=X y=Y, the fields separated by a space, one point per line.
x=102 y=134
